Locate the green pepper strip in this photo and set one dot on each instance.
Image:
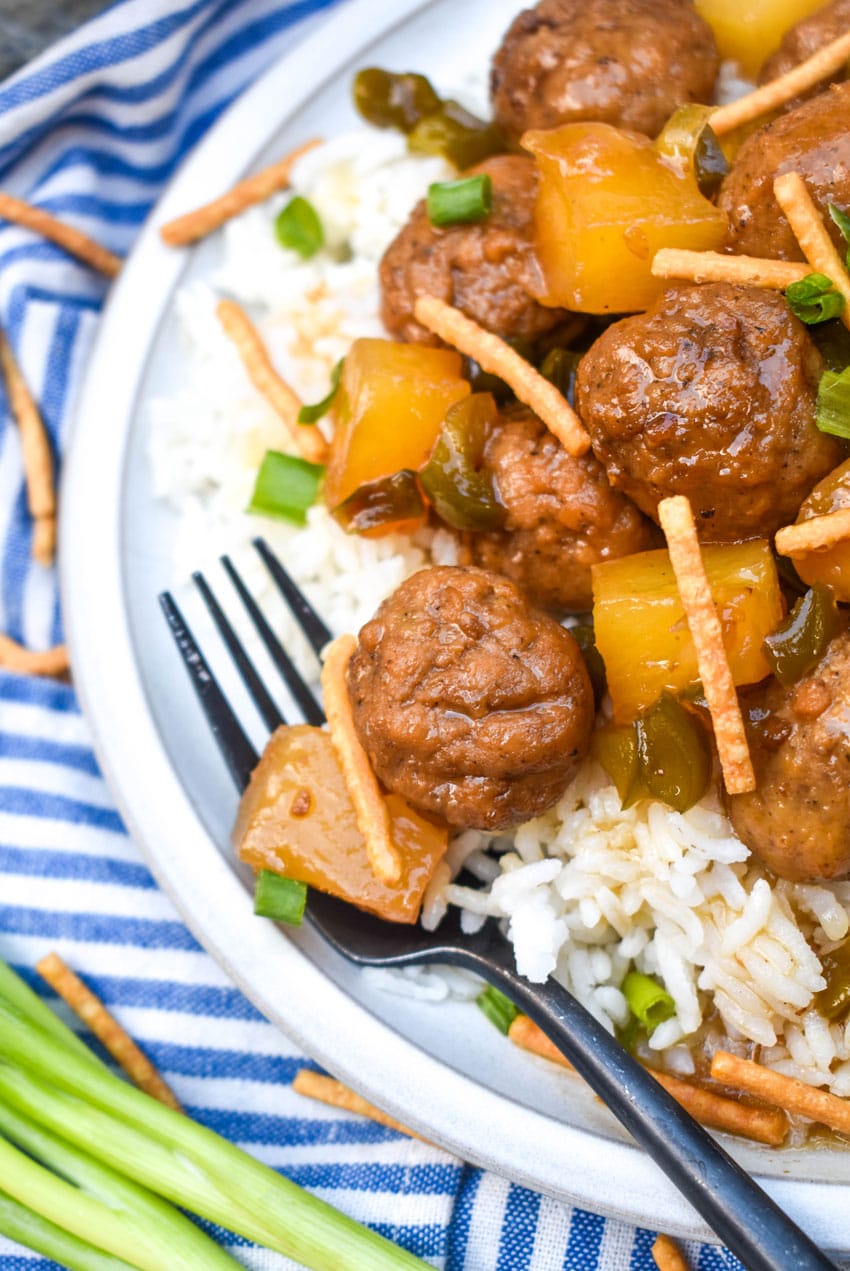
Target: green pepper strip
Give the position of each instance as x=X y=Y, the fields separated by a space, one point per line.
x=390 y=99
x=463 y=492
x=663 y=755
x=834 y=1000
x=802 y=640
x=389 y=501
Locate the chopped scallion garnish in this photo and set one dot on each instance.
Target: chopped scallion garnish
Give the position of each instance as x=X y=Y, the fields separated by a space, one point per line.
x=814 y=299
x=842 y=220
x=309 y=414
x=286 y=487
x=453 y=202
x=499 y=1009
x=282 y=899
x=298 y=227
x=833 y=407
x=648 y=1001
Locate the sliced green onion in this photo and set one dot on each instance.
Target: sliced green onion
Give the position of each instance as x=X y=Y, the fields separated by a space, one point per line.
x=814 y=299
x=298 y=227
x=499 y=1009
x=282 y=899
x=833 y=407
x=648 y=1001
x=26 y=1227
x=175 y=1157
x=286 y=487
x=22 y=997
x=309 y=414
x=842 y=220
x=453 y=202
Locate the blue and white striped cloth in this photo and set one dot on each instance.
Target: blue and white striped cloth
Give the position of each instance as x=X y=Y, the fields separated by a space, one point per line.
x=91 y=131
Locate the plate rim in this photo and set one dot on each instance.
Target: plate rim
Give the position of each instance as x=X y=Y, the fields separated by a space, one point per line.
x=570 y=1164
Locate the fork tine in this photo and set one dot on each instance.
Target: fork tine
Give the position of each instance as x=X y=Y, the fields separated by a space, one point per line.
x=237 y=751
x=305 y=615
x=255 y=686
x=310 y=708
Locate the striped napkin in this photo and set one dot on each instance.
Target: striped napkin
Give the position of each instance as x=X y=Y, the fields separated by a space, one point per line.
x=92 y=131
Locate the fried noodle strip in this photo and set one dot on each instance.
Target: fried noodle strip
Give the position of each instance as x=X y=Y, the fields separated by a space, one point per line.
x=744 y=271
x=667 y=1255
x=815 y=533
x=333 y=1093
x=242 y=333
x=809 y=230
x=783 y=1092
x=677 y=522
x=373 y=819
x=819 y=66
x=255 y=189
x=60 y=232
x=36 y=456
x=764 y=1125
x=494 y=355
x=106 y=1028
x=50 y=662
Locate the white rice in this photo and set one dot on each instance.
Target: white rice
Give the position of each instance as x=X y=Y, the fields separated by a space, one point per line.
x=588 y=890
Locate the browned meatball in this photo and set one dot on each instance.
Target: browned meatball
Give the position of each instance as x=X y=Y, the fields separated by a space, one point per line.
x=471 y=705
x=813 y=140
x=562 y=516
x=804 y=39
x=625 y=62
x=797 y=821
x=487 y=268
x=711 y=394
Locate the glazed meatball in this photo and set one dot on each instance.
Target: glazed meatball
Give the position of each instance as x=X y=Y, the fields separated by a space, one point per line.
x=813 y=140
x=804 y=39
x=711 y=394
x=562 y=515
x=471 y=705
x=486 y=268
x=797 y=820
x=625 y=62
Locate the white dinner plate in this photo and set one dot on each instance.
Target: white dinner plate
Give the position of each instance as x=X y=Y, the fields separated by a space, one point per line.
x=440 y=1068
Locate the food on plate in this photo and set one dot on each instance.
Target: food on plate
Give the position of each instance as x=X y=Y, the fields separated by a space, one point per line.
x=561 y=515
x=711 y=394
x=797 y=821
x=608 y=201
x=803 y=39
x=296 y=818
x=749 y=33
x=624 y=62
x=811 y=140
x=512 y=392
x=642 y=635
x=829 y=562
x=487 y=269
x=470 y=704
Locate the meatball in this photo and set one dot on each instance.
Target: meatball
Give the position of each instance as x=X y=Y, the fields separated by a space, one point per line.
x=711 y=394
x=486 y=268
x=797 y=820
x=471 y=705
x=562 y=516
x=625 y=62
x=804 y=39
x=813 y=140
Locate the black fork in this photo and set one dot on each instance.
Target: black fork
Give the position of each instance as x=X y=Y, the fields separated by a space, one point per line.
x=737 y=1209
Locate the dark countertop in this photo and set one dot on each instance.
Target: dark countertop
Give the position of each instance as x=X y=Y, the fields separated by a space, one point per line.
x=28 y=26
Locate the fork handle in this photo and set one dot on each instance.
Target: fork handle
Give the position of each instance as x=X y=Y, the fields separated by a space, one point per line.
x=748 y=1222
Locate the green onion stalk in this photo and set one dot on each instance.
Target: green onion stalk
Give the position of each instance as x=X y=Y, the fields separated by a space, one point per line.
x=117 y=1214
x=50 y=1083
x=19 y=1223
